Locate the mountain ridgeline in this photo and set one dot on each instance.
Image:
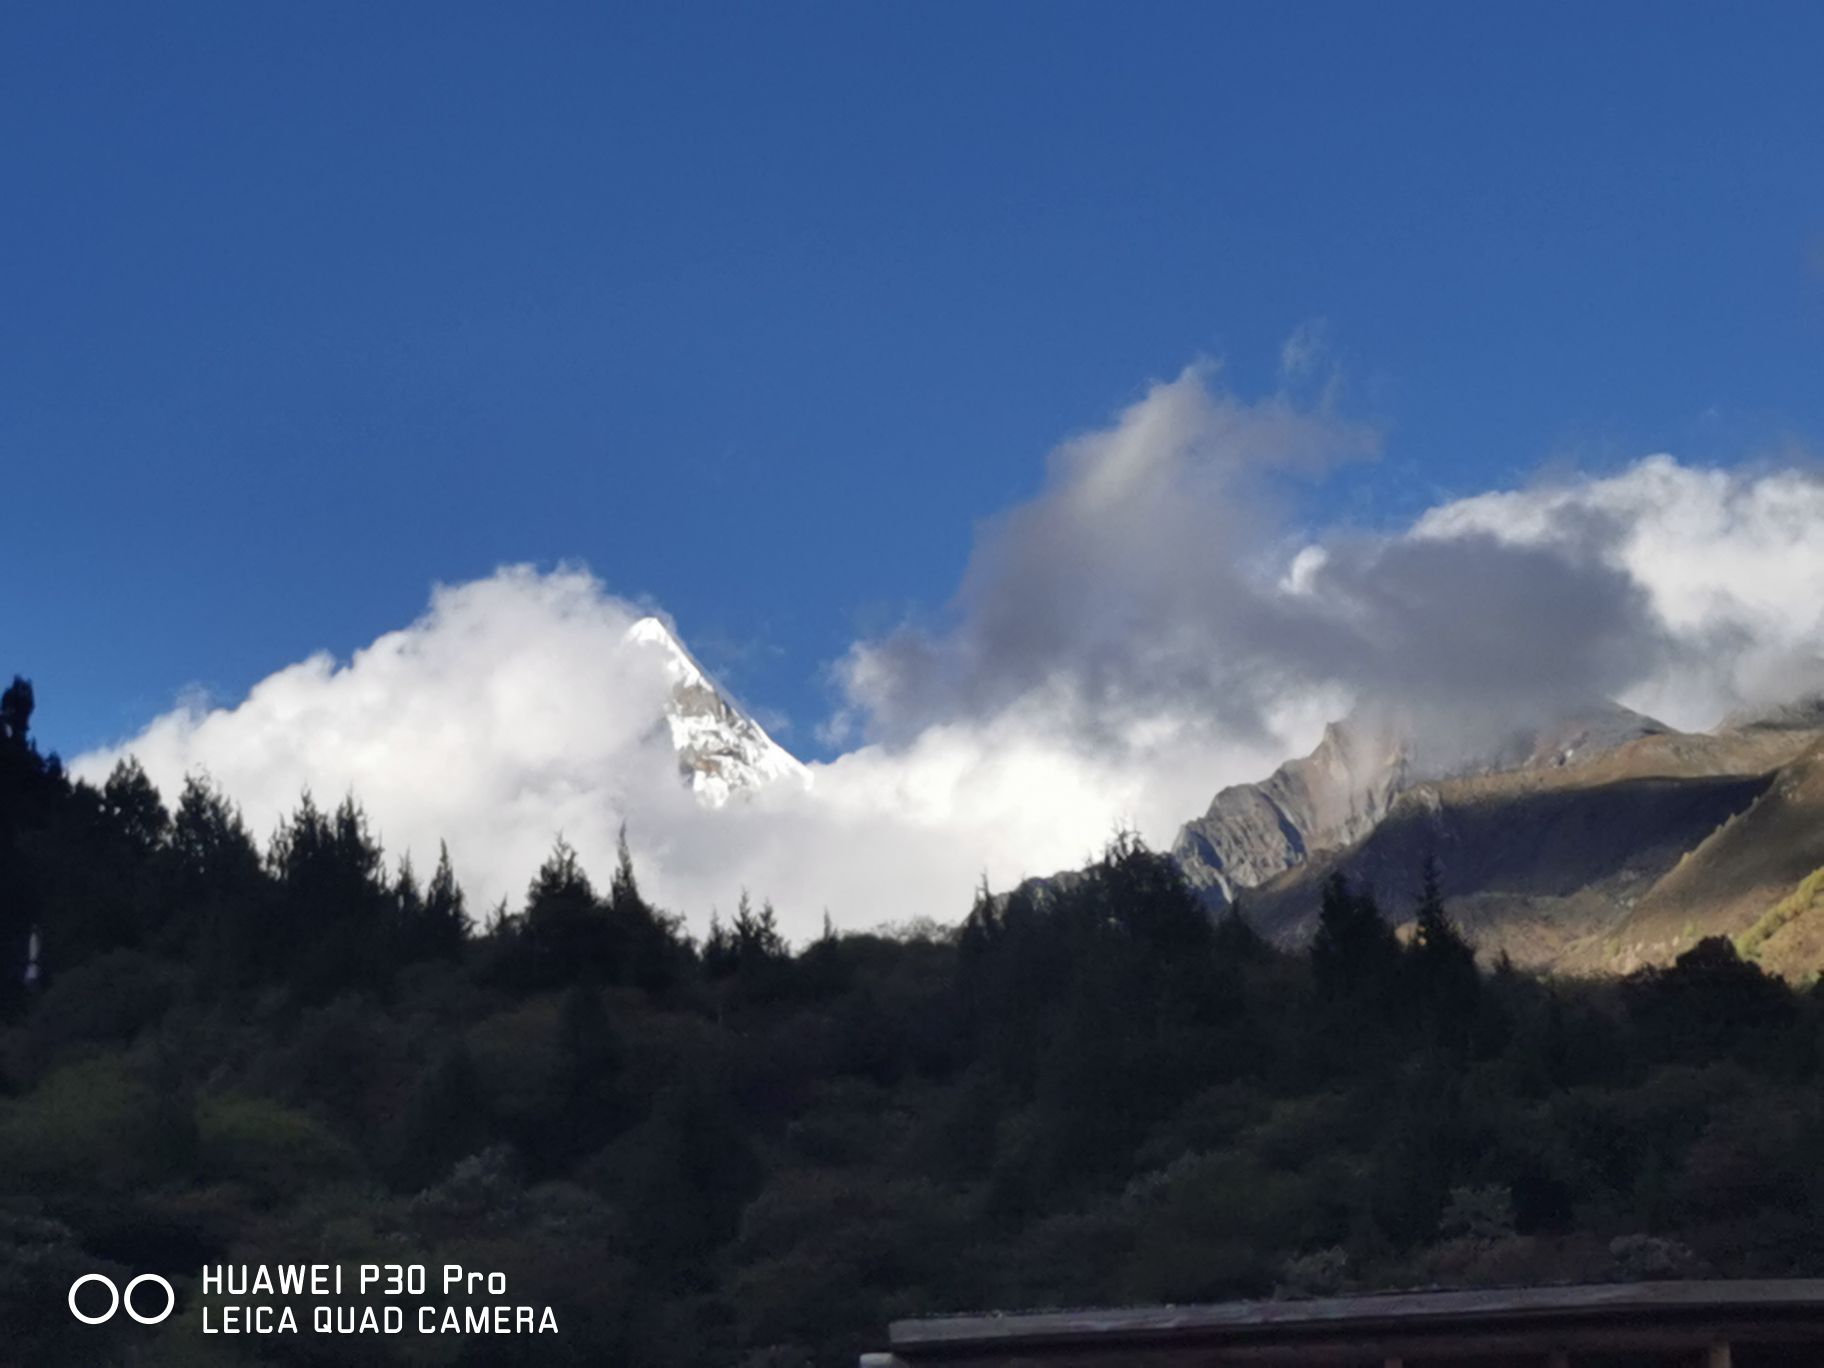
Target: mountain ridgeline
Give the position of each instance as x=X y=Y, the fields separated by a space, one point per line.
x=1583 y=839
x=1596 y=842
x=731 y=1150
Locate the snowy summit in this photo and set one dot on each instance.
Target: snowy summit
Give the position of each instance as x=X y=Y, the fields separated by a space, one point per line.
x=721 y=750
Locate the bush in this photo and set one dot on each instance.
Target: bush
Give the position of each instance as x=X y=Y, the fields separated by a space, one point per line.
x=274 y=1150
x=85 y=1127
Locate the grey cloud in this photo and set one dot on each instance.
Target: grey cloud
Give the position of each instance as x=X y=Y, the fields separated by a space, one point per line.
x=1147 y=579
x=1473 y=618
x=1120 y=587
x=1152 y=600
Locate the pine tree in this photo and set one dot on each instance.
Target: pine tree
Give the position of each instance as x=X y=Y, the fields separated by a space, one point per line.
x=650 y=947
x=209 y=842
x=407 y=897
x=221 y=901
x=131 y=804
x=360 y=863
x=623 y=889
x=16 y=706
x=567 y=932
x=335 y=924
x=757 y=939
x=23 y=790
x=445 y=924
x=431 y=924
x=1354 y=952
x=1441 y=964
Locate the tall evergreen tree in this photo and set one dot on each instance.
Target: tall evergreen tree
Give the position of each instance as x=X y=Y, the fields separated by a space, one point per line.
x=566 y=935
x=219 y=895
x=1441 y=964
x=16 y=707
x=23 y=792
x=1354 y=953
x=335 y=919
x=444 y=920
x=624 y=888
x=652 y=945
x=132 y=806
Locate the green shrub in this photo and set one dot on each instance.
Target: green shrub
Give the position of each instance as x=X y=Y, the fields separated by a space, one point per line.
x=273 y=1149
x=1787 y=910
x=87 y=1125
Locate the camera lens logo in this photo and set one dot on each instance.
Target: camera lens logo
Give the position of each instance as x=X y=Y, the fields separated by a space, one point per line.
x=118 y=1299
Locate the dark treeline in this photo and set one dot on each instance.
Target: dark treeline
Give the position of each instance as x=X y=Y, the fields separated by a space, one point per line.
x=733 y=1152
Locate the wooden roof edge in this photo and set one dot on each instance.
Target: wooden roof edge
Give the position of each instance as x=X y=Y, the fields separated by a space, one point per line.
x=1375 y=1309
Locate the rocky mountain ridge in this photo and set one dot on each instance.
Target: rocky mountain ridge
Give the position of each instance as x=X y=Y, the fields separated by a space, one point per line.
x=1342 y=790
x=1625 y=856
x=1597 y=842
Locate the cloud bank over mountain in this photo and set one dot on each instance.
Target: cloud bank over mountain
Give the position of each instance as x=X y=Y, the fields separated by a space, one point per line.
x=1730 y=563
x=1151 y=625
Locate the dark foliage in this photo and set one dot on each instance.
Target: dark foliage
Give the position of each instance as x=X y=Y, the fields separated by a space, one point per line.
x=746 y=1153
x=1354 y=956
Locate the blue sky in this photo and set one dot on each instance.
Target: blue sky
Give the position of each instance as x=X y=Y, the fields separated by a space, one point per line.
x=759 y=310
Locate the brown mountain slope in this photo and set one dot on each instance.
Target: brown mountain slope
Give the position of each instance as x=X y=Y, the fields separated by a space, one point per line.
x=1737 y=875
x=1336 y=795
x=1550 y=865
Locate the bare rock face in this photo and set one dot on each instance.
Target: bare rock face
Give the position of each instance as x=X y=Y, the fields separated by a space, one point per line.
x=1328 y=798
x=722 y=752
x=1339 y=793
x=1594 y=857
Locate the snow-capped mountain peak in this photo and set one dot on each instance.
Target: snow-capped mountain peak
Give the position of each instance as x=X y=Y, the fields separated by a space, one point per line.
x=721 y=750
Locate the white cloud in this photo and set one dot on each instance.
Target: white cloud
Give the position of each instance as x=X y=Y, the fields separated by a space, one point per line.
x=510 y=710
x=1307 y=346
x=1144 y=630
x=514 y=709
x=1732 y=563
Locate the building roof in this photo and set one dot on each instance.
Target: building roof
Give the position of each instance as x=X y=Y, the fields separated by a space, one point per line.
x=1654 y=1315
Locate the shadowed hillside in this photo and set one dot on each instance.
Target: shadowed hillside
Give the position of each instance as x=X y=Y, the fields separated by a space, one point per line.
x=1739 y=875
x=1625 y=860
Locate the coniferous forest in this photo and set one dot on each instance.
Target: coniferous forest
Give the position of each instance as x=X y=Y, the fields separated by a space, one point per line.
x=216 y=1048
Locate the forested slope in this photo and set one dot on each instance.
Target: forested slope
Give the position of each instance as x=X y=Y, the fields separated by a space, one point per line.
x=732 y=1151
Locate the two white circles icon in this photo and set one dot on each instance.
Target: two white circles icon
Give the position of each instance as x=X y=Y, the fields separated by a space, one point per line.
x=119 y=1298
